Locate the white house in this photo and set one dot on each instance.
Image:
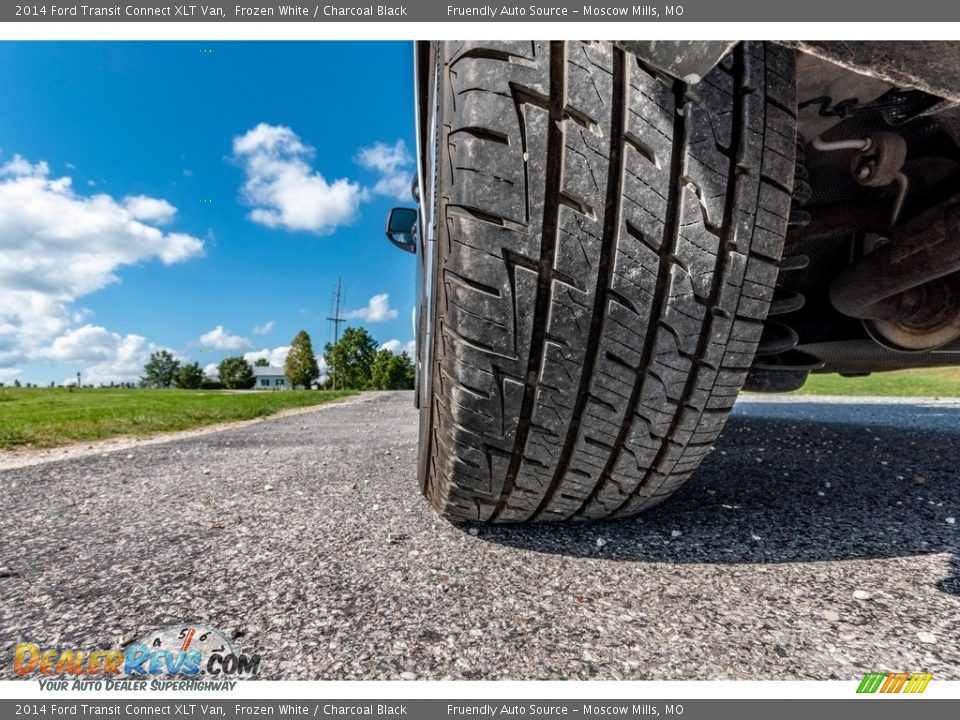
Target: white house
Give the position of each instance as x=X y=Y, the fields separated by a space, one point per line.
x=270 y=378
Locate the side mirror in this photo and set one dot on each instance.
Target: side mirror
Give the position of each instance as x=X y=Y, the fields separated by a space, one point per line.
x=400 y=225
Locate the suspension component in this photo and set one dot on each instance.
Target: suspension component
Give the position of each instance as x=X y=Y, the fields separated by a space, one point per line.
x=907 y=290
x=802 y=193
x=778 y=365
x=879 y=163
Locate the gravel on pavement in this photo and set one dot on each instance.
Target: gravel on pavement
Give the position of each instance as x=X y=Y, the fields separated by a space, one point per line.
x=818 y=540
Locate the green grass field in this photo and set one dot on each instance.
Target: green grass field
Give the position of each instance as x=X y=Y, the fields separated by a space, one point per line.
x=928 y=382
x=47 y=417
x=35 y=417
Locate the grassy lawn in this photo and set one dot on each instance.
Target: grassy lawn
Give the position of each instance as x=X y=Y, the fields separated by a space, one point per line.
x=45 y=417
x=928 y=382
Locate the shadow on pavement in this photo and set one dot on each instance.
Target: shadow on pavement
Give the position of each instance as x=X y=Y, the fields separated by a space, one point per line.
x=794 y=482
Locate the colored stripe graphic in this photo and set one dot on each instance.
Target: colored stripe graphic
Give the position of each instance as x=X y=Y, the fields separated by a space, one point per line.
x=898 y=681
x=918 y=682
x=888 y=683
x=903 y=679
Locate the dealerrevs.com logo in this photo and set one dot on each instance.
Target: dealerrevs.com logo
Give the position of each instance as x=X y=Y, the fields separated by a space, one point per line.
x=186 y=652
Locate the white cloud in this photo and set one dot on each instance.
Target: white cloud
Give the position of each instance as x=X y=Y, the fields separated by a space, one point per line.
x=276 y=357
x=220 y=339
x=149 y=209
x=133 y=352
x=90 y=343
x=284 y=189
x=264 y=329
x=108 y=356
x=377 y=310
x=397 y=347
x=393 y=164
x=212 y=371
x=20 y=167
x=57 y=246
x=8 y=374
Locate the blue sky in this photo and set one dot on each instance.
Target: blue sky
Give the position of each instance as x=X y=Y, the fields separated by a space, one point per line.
x=201 y=197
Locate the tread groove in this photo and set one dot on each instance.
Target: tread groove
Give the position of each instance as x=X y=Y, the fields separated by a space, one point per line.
x=550 y=230
x=706 y=329
x=611 y=227
x=671 y=235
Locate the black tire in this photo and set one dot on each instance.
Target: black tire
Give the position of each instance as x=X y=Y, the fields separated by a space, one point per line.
x=607 y=247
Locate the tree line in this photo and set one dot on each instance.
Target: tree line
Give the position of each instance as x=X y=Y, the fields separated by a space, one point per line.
x=354 y=362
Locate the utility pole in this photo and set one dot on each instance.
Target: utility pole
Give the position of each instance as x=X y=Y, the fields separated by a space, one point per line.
x=336 y=320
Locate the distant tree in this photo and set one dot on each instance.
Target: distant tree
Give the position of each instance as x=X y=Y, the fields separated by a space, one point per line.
x=161 y=370
x=410 y=371
x=391 y=372
x=16 y=383
x=189 y=376
x=262 y=362
x=236 y=373
x=351 y=360
x=380 y=370
x=301 y=365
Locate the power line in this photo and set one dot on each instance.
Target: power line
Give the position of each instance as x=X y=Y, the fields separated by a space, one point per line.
x=336 y=320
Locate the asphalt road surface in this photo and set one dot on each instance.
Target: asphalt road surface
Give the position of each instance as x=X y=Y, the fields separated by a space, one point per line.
x=815 y=542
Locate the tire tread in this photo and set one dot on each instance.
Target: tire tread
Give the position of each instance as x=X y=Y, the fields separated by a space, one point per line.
x=608 y=245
